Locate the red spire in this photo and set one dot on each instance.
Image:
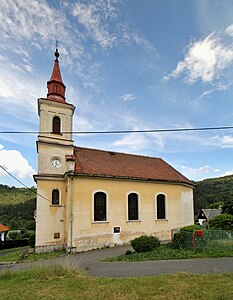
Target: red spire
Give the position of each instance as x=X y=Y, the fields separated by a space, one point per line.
x=56 y=87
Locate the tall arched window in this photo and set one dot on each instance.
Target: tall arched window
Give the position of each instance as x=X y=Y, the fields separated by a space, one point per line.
x=100 y=207
x=132 y=206
x=55 y=197
x=161 y=213
x=56 y=125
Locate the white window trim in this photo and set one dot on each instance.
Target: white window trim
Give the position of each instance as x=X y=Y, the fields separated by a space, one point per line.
x=93 y=206
x=166 y=206
x=139 y=207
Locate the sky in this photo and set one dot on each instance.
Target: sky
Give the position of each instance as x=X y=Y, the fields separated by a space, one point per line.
x=127 y=65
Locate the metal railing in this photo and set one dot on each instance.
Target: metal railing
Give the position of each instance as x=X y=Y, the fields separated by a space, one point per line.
x=201 y=240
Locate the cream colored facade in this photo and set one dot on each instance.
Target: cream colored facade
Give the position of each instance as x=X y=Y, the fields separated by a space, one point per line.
x=87 y=234
x=70 y=222
x=74 y=221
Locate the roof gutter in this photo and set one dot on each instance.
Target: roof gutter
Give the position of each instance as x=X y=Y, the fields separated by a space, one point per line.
x=101 y=176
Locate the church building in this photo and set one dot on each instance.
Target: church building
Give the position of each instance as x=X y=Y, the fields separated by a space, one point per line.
x=89 y=198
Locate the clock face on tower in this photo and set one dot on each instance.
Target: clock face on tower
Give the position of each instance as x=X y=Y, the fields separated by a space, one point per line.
x=56 y=162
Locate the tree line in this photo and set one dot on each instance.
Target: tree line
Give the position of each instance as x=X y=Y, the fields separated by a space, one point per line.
x=214 y=193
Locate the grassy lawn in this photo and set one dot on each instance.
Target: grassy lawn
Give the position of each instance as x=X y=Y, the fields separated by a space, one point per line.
x=17 y=255
x=166 y=252
x=64 y=283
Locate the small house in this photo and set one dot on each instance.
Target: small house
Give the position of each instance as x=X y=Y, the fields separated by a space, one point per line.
x=3 y=232
x=207 y=214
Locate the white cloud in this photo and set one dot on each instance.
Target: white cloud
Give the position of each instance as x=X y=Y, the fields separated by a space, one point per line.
x=132 y=142
x=219 y=87
x=30 y=24
x=92 y=16
x=23 y=19
x=35 y=23
x=204 y=94
x=229 y=30
x=5 y=90
x=128 y=97
x=227 y=173
x=15 y=163
x=224 y=141
x=205 y=59
x=133 y=37
x=82 y=123
x=20 y=92
x=195 y=173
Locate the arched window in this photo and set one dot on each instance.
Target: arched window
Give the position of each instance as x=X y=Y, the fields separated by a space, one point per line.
x=161 y=214
x=56 y=125
x=132 y=206
x=55 y=197
x=100 y=207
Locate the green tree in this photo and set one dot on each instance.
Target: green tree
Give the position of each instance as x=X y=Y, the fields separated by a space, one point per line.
x=223 y=221
x=227 y=207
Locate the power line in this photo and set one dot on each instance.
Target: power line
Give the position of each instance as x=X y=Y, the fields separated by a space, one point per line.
x=124 y=131
x=23 y=183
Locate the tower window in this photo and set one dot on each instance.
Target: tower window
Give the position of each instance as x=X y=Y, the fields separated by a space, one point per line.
x=132 y=206
x=55 y=197
x=56 y=125
x=100 y=207
x=161 y=207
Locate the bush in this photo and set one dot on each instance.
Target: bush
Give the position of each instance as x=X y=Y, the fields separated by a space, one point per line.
x=145 y=243
x=191 y=228
x=32 y=240
x=224 y=222
x=14 y=235
x=8 y=244
x=182 y=240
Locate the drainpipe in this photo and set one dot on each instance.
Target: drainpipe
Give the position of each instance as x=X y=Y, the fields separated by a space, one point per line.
x=71 y=212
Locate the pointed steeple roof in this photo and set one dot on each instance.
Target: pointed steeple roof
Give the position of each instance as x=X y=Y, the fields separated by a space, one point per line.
x=56 y=87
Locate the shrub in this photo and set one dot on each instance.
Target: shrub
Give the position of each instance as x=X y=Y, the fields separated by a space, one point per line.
x=32 y=240
x=128 y=252
x=224 y=222
x=182 y=240
x=13 y=235
x=145 y=243
x=8 y=244
x=191 y=228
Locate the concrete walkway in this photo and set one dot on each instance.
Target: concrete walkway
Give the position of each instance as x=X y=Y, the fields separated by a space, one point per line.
x=90 y=263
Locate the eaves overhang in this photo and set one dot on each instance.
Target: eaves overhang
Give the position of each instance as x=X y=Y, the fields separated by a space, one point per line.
x=129 y=178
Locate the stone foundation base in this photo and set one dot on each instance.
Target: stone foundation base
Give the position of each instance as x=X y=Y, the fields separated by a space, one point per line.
x=87 y=243
x=49 y=248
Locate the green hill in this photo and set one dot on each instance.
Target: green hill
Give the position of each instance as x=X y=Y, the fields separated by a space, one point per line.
x=17 y=206
x=213 y=192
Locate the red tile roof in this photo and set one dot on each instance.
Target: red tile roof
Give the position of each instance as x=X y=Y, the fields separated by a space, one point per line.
x=122 y=165
x=56 y=73
x=56 y=87
x=3 y=228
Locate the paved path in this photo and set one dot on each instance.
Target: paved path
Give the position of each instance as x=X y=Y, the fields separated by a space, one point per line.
x=91 y=264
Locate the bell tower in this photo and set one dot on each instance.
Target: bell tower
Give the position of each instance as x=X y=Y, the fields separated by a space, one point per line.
x=55 y=149
x=55 y=137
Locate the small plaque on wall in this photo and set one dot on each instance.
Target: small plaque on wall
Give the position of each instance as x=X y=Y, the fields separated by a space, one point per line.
x=116 y=229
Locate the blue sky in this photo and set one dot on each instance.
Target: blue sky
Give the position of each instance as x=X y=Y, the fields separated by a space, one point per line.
x=127 y=65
